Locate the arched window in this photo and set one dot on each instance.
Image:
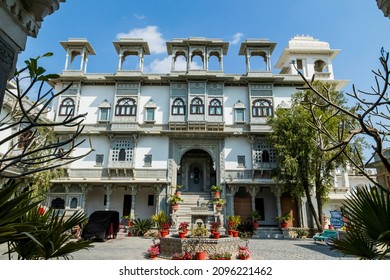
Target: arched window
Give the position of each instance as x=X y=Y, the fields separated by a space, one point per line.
x=67 y=107
x=58 y=203
x=126 y=107
x=122 y=155
x=265 y=156
x=73 y=203
x=215 y=107
x=197 y=106
x=261 y=108
x=178 y=107
x=320 y=66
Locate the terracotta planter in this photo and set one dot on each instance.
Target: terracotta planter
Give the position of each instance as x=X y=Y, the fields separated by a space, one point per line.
x=217 y=194
x=230 y=232
x=256 y=225
x=235 y=233
x=217 y=235
x=182 y=234
x=283 y=224
x=129 y=233
x=175 y=207
x=164 y=233
x=201 y=255
x=212 y=231
x=152 y=256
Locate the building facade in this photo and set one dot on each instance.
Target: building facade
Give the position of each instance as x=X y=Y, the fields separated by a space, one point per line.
x=195 y=126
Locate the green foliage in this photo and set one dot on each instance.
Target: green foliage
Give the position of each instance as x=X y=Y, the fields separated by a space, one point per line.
x=51 y=238
x=284 y=218
x=219 y=201
x=12 y=208
x=175 y=199
x=216 y=188
x=301 y=232
x=160 y=218
x=141 y=226
x=367 y=214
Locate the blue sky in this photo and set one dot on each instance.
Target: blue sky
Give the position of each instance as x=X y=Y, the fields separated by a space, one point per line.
x=356 y=27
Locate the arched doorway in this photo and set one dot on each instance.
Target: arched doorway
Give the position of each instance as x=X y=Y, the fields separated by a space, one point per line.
x=196 y=172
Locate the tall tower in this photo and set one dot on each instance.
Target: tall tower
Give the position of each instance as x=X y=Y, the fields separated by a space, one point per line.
x=310 y=56
x=75 y=47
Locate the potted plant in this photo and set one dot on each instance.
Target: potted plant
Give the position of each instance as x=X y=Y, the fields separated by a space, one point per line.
x=243 y=253
x=219 y=202
x=154 y=251
x=215 y=226
x=177 y=189
x=161 y=219
x=301 y=233
x=174 y=200
x=216 y=190
x=164 y=231
x=284 y=219
x=255 y=219
x=200 y=232
x=183 y=229
x=233 y=223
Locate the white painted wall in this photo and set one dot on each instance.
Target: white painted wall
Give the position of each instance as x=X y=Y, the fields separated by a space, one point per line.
x=101 y=145
x=157 y=146
x=142 y=210
x=237 y=146
x=231 y=96
x=160 y=96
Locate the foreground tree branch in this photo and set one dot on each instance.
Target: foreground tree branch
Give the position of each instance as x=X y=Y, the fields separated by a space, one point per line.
x=368 y=118
x=30 y=133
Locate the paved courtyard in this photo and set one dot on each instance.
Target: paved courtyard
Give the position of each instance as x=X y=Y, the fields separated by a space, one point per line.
x=134 y=248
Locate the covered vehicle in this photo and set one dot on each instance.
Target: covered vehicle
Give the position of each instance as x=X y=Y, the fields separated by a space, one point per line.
x=101 y=225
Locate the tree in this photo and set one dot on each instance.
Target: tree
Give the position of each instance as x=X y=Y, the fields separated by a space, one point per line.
x=368 y=118
x=301 y=164
x=35 y=152
x=367 y=211
x=33 y=145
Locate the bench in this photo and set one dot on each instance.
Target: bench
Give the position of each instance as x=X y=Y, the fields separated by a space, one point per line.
x=326 y=236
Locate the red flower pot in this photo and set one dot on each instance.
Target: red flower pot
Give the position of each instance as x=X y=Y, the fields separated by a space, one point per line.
x=217 y=235
x=175 y=207
x=284 y=224
x=201 y=255
x=235 y=233
x=164 y=233
x=182 y=234
x=230 y=232
x=212 y=231
x=217 y=194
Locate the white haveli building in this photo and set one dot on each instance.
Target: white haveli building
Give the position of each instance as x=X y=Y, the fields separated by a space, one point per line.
x=195 y=127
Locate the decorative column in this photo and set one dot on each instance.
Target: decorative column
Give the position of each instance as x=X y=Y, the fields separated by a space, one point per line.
x=248 y=68
x=133 y=191
x=233 y=190
x=268 y=62
x=66 y=60
x=157 y=196
x=85 y=189
x=108 y=191
x=277 y=190
x=253 y=190
x=221 y=62
x=67 y=202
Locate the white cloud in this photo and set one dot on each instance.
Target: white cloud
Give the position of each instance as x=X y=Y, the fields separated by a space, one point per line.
x=149 y=34
x=236 y=38
x=159 y=66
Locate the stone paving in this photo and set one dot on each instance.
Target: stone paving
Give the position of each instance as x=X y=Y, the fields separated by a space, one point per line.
x=134 y=248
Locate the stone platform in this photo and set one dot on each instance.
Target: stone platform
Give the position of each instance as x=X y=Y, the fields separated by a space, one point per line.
x=225 y=244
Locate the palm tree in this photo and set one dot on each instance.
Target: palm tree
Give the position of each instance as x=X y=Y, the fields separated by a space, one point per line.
x=367 y=215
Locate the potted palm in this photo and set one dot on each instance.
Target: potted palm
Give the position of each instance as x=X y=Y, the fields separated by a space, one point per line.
x=233 y=222
x=256 y=219
x=284 y=219
x=216 y=191
x=162 y=221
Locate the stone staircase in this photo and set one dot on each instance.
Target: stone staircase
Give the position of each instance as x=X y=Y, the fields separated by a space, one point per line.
x=195 y=203
x=268 y=233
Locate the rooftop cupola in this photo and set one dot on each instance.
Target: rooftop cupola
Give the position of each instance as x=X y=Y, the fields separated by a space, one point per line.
x=197 y=54
x=75 y=47
x=310 y=56
x=257 y=54
x=127 y=47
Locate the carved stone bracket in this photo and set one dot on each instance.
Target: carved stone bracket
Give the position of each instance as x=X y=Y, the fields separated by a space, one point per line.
x=233 y=189
x=252 y=190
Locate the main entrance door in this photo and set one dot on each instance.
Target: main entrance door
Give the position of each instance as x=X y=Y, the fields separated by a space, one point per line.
x=196 y=173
